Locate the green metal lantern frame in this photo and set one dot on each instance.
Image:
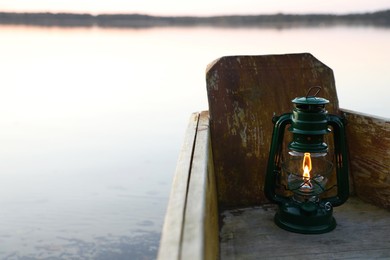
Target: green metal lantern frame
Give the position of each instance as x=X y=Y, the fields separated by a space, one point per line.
x=309 y=123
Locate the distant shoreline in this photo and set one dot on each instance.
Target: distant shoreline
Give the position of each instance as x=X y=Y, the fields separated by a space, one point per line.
x=378 y=19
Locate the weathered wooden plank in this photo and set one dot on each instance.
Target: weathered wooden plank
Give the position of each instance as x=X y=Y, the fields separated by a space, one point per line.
x=244 y=92
x=369 y=152
x=200 y=234
x=171 y=238
x=361 y=233
x=191 y=224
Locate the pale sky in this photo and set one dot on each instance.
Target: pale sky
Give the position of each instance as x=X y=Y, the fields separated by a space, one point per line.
x=196 y=7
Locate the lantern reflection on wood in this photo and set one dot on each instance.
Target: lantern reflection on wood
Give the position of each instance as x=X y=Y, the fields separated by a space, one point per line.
x=298 y=173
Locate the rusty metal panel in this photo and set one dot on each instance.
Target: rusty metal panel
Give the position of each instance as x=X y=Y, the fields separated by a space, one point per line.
x=243 y=93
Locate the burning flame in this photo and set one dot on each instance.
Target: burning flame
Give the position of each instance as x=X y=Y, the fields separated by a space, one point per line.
x=306 y=166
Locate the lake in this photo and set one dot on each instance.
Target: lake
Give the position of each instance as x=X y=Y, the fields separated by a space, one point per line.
x=92 y=121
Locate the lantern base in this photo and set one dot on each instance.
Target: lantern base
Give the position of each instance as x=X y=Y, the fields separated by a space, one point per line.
x=306 y=217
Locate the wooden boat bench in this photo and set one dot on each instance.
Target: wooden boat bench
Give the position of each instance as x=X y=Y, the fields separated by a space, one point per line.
x=217 y=209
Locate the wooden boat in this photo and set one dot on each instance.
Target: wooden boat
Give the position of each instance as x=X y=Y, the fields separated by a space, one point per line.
x=217 y=208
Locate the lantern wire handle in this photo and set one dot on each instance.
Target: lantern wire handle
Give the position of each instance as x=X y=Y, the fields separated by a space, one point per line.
x=315 y=94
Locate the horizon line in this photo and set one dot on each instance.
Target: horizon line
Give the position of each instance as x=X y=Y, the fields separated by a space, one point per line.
x=197 y=16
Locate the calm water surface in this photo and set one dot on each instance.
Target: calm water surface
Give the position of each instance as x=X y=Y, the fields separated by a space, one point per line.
x=92 y=120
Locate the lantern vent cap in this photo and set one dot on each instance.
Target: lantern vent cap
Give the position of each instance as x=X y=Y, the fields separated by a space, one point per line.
x=311 y=99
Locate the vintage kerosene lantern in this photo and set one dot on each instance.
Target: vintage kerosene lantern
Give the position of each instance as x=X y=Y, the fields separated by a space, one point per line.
x=307 y=175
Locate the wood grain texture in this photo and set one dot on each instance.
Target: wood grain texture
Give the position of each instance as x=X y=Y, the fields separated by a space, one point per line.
x=369 y=152
x=243 y=93
x=200 y=231
x=171 y=237
x=191 y=223
x=361 y=233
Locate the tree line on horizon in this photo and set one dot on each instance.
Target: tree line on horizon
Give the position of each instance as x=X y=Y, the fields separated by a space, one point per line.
x=380 y=18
